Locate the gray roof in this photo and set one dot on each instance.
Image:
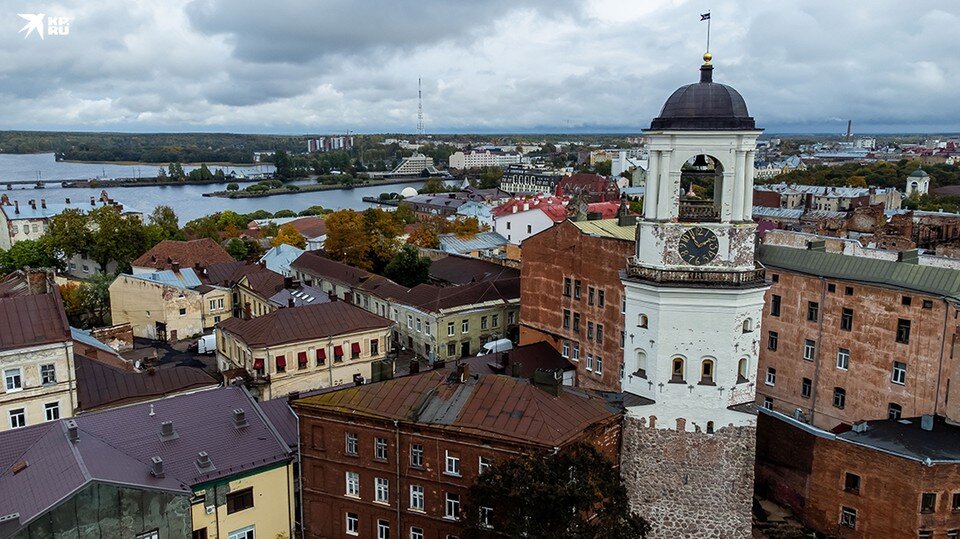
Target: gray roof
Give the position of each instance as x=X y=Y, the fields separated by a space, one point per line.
x=116 y=446
x=704 y=105
x=303 y=295
x=455 y=243
x=84 y=336
x=185 y=279
x=906 y=438
x=919 y=173
x=52 y=209
x=927 y=279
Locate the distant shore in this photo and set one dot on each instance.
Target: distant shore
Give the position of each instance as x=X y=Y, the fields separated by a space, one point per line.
x=311 y=188
x=158 y=165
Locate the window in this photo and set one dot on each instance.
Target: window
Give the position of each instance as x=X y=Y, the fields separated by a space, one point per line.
x=846 y=319
x=449 y=329
x=48 y=374
x=601 y=300
x=706 y=372
x=576 y=322
x=565 y=349
x=953 y=534
x=416 y=497
x=495 y=320
x=590 y=362
x=155 y=534
x=839 y=397
x=416 y=455
x=747 y=325
x=843 y=359
x=13 y=380
x=742 y=370
x=576 y=289
x=642 y=321
x=566 y=319
x=899 y=373
x=451 y=349
x=955 y=503
x=600 y=333
x=775 y=278
x=809 y=349
x=851 y=483
x=508 y=225
x=590 y=331
x=927 y=304
x=353 y=524
x=623 y=338
x=576 y=352
x=451 y=509
x=641 y=364
x=380 y=448
x=848 y=291
x=375 y=346
x=599 y=366
x=903 y=331
x=183 y=311
x=591 y=295
x=281 y=363
x=529 y=229
x=813 y=311
x=419 y=325
x=352 y=484
x=510 y=316
x=676 y=374
x=768 y=403
x=906 y=301
x=771 y=379
x=806 y=388
x=199 y=534
x=351 y=444
x=382 y=490
x=464 y=326
x=416 y=533
x=566 y=286
x=51 y=411
x=848 y=517
x=485 y=463
x=928 y=502
x=924 y=534
x=18 y=418
x=894 y=410
x=486 y=517
x=772 y=340
x=410 y=321
x=623 y=305
x=830 y=286
x=452 y=464
x=240 y=500
x=483 y=322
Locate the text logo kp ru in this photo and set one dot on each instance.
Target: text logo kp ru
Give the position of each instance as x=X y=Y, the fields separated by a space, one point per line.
x=55 y=26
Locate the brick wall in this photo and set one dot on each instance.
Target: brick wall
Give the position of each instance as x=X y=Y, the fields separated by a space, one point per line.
x=690 y=484
x=118 y=337
x=563 y=251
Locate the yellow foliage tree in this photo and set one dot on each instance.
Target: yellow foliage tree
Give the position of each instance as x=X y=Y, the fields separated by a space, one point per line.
x=289 y=235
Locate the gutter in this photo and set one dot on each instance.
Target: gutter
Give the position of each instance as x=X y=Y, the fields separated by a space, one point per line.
x=816 y=352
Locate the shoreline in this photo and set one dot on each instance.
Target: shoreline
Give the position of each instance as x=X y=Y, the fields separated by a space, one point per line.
x=164 y=165
x=310 y=188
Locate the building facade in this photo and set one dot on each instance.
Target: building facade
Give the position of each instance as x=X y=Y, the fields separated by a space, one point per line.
x=520 y=180
x=165 y=305
x=30 y=221
x=461 y=160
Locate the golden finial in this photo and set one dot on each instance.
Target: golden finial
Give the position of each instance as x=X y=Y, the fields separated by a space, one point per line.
x=707 y=57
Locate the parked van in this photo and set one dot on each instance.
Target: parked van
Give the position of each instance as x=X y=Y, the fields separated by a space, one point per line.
x=492 y=347
x=207 y=344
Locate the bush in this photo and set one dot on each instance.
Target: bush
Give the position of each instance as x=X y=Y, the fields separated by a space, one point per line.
x=233 y=187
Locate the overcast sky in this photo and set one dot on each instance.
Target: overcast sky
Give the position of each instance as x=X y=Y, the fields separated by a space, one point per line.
x=287 y=66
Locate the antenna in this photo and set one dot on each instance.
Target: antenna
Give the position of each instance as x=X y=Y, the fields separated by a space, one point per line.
x=419 y=109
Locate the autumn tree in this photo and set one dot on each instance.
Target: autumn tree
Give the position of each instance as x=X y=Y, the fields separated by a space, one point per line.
x=366 y=240
x=288 y=234
x=424 y=236
x=574 y=493
x=408 y=268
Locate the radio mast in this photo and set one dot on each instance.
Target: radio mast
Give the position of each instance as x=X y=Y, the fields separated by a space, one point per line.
x=419 y=109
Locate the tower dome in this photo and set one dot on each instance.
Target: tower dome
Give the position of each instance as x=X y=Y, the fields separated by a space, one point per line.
x=704 y=105
x=919 y=173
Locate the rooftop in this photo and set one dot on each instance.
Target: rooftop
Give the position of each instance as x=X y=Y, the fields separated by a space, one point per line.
x=607 y=228
x=310 y=322
x=456 y=269
x=704 y=105
x=315 y=264
x=530 y=357
x=905 y=437
x=456 y=243
x=32 y=321
x=187 y=254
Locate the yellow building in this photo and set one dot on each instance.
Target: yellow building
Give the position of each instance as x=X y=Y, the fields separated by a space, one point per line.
x=299 y=349
x=165 y=305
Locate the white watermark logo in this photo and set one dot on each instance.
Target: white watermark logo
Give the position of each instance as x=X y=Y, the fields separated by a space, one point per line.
x=55 y=26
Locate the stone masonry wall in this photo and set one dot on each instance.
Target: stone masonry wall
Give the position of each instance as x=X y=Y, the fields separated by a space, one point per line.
x=690 y=484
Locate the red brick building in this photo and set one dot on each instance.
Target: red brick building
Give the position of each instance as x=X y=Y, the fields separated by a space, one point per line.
x=571 y=295
x=894 y=479
x=396 y=458
x=850 y=338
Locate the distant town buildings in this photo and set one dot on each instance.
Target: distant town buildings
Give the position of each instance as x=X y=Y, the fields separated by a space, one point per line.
x=329 y=143
x=415 y=165
x=525 y=180
x=486 y=158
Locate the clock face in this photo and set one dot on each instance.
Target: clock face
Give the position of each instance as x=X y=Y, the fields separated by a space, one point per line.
x=698 y=246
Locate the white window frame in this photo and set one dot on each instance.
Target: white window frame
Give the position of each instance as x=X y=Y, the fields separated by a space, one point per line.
x=598 y=365
x=51 y=407
x=418 y=463
x=484 y=463
x=450 y=329
x=465 y=326
x=353 y=523
x=485 y=514
x=243 y=533
x=899 y=374
x=451 y=503
x=53 y=372
x=351 y=484
x=416 y=533
x=771 y=377
x=809 y=351
x=22 y=414
x=416 y=498
x=383 y=529
x=382 y=490
x=843 y=359
x=14 y=375
x=452 y=464
x=380 y=446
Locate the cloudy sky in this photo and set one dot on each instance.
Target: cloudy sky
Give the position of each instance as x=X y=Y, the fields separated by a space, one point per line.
x=288 y=66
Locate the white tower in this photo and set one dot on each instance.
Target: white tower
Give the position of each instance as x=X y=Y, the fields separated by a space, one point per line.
x=694 y=299
x=918 y=182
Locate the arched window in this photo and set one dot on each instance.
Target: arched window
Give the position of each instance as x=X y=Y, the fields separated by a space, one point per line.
x=677 y=370
x=742 y=370
x=706 y=372
x=641 y=364
x=709 y=427
x=642 y=321
x=747 y=325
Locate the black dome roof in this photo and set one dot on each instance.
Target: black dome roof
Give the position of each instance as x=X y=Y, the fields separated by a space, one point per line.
x=704 y=105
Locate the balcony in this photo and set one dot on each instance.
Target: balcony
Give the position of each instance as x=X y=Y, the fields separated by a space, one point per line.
x=699 y=211
x=749 y=278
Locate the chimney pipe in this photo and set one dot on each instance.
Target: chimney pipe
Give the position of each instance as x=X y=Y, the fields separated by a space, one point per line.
x=414 y=366
x=463 y=372
x=72 y=433
x=203 y=461
x=156 y=467
x=93 y=202
x=239 y=418
x=926 y=422
x=288 y=282
x=43 y=203
x=175 y=266
x=515 y=369
x=548 y=380
x=16 y=206
x=292 y=396
x=68 y=200
x=290 y=302
x=167 y=432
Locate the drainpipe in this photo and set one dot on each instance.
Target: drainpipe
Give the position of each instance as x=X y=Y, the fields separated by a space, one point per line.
x=396 y=430
x=299 y=497
x=71 y=377
x=816 y=352
x=943 y=345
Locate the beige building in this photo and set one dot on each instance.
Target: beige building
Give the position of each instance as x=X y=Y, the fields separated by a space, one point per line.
x=826 y=198
x=262 y=292
x=29 y=221
x=164 y=305
x=305 y=348
x=36 y=361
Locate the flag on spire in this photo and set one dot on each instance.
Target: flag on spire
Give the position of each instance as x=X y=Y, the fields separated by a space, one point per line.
x=705 y=16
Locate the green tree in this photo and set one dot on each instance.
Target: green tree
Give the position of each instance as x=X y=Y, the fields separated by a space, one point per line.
x=166 y=220
x=68 y=233
x=175 y=171
x=490 y=177
x=28 y=253
x=115 y=237
x=285 y=213
x=405 y=214
x=575 y=493
x=232 y=186
x=238 y=249
x=407 y=267
x=603 y=168
x=283 y=164
x=96 y=299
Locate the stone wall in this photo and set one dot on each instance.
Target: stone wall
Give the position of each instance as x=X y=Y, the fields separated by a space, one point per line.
x=119 y=337
x=690 y=484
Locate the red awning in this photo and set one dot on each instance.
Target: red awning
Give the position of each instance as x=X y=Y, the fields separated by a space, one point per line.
x=302 y=358
x=338 y=351
x=281 y=362
x=322 y=354
x=258 y=363
x=356 y=348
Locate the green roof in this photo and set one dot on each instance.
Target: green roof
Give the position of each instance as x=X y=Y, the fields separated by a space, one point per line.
x=607 y=228
x=929 y=279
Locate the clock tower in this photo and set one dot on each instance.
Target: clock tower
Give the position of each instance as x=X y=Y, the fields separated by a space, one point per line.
x=694 y=299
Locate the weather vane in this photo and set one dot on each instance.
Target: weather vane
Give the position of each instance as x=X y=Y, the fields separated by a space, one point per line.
x=706 y=17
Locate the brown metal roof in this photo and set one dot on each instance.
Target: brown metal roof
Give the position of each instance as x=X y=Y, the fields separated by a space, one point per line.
x=188 y=254
x=32 y=320
x=494 y=406
x=464 y=269
x=309 y=322
x=530 y=357
x=313 y=264
x=100 y=385
x=264 y=283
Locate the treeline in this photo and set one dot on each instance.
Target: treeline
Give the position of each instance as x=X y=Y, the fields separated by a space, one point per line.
x=148 y=148
x=879 y=174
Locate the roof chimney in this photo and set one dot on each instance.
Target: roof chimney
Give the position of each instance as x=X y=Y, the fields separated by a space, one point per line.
x=505 y=358
x=68 y=200
x=166 y=431
x=93 y=201
x=43 y=203
x=292 y=396
x=203 y=462
x=16 y=206
x=239 y=418
x=72 y=433
x=288 y=282
x=926 y=422
x=175 y=266
x=463 y=372
x=33 y=204
x=548 y=380
x=358 y=379
x=291 y=302
x=414 y=366
x=515 y=369
x=156 y=467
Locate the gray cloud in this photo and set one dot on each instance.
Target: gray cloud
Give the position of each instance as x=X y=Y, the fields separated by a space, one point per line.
x=490 y=65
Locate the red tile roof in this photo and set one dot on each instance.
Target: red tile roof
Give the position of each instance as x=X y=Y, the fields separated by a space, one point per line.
x=493 y=406
x=32 y=320
x=188 y=254
x=310 y=227
x=555 y=208
x=309 y=322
